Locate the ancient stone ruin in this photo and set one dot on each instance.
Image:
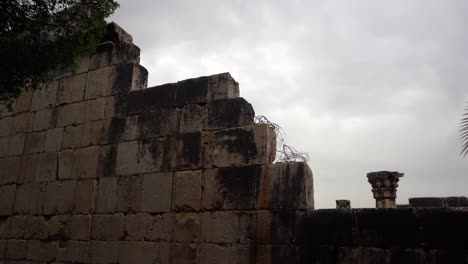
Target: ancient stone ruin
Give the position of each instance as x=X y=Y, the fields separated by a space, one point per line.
x=98 y=168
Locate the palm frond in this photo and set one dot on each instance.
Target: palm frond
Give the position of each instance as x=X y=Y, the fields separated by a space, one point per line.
x=464 y=133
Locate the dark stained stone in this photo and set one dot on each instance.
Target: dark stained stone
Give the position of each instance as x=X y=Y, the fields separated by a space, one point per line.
x=227 y=113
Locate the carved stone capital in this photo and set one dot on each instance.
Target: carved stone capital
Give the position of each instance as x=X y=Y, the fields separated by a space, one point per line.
x=384 y=187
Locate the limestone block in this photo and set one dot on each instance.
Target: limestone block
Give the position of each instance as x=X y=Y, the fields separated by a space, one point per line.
x=107 y=160
x=220 y=227
x=80 y=227
x=46 y=169
x=228 y=113
x=124 y=52
x=29 y=198
x=85 y=196
x=42 y=120
x=157 y=192
x=285 y=186
x=208 y=149
x=456 y=201
x=6 y=126
x=160 y=122
x=126 y=77
x=230 y=188
x=214 y=254
x=34 y=142
x=119 y=129
x=91 y=133
x=4 y=147
x=187 y=227
x=97 y=83
x=23 y=102
x=9 y=170
x=187 y=191
x=82 y=64
x=53 y=140
x=157 y=154
x=108 y=227
x=42 y=251
x=35 y=228
x=244 y=146
x=127 y=158
x=138 y=226
x=103 y=252
x=135 y=102
x=22 y=123
x=72 y=136
x=157 y=97
x=71 y=89
x=189 y=147
x=129 y=194
x=71 y=114
x=88 y=161
x=44 y=98
x=13 y=227
x=68 y=164
x=243 y=254
x=95 y=109
x=107 y=195
x=222 y=86
x=184 y=253
x=59 y=197
x=2 y=248
x=193 y=118
x=162 y=228
x=102 y=56
x=109 y=106
x=16 y=144
x=7 y=197
x=75 y=252
x=16 y=249
x=58 y=227
x=137 y=252
x=427 y=202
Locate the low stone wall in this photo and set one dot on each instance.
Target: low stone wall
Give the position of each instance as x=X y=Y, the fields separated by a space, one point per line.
x=97 y=168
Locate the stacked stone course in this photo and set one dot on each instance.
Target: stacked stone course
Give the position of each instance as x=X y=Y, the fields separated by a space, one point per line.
x=98 y=168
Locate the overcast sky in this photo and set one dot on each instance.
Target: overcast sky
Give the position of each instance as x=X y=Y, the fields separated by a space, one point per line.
x=359 y=85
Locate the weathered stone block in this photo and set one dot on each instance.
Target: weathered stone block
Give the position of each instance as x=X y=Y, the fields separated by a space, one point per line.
x=34 y=142
x=72 y=136
x=244 y=146
x=103 y=252
x=187 y=191
x=46 y=169
x=193 y=118
x=157 y=154
x=42 y=251
x=157 y=192
x=208 y=149
x=85 y=196
x=107 y=195
x=80 y=227
x=59 y=197
x=71 y=114
x=9 y=170
x=13 y=227
x=126 y=52
x=23 y=102
x=6 y=126
x=187 y=227
x=15 y=145
x=7 y=198
x=16 y=249
x=29 y=198
x=127 y=158
x=159 y=96
x=222 y=86
x=95 y=109
x=42 y=120
x=71 y=89
x=68 y=164
x=108 y=227
x=230 y=188
x=2 y=248
x=138 y=252
x=53 y=140
x=228 y=113
x=91 y=133
x=88 y=161
x=22 y=123
x=97 y=83
x=243 y=254
x=456 y=201
x=189 y=151
x=74 y=252
x=214 y=254
x=427 y=202
x=220 y=227
x=58 y=227
x=129 y=194
x=162 y=228
x=44 y=98
x=126 y=77
x=35 y=228
x=135 y=102
x=184 y=253
x=159 y=122
x=138 y=226
x=102 y=56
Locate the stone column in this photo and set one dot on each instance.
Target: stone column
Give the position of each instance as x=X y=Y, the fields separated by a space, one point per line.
x=384 y=186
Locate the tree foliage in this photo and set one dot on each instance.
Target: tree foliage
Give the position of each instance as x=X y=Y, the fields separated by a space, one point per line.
x=464 y=133
x=41 y=37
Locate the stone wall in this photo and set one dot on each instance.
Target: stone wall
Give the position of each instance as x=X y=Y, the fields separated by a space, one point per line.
x=97 y=168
